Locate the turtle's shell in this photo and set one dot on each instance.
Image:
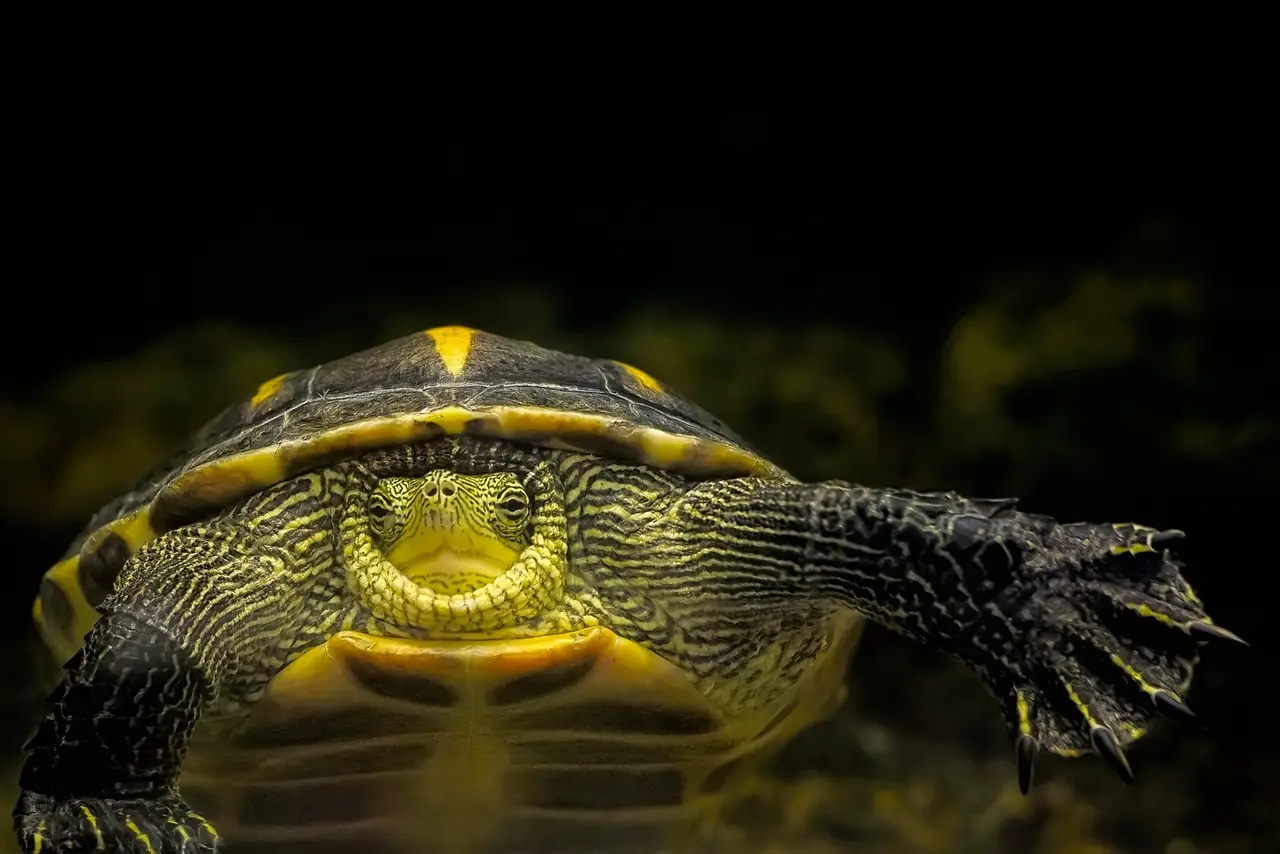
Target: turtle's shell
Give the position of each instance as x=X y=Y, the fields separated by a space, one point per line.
x=445 y=381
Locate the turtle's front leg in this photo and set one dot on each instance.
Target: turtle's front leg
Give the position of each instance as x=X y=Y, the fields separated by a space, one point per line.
x=101 y=772
x=1084 y=632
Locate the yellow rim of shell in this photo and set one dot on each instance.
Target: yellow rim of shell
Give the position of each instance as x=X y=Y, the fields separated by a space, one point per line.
x=225 y=480
x=480 y=662
x=64 y=641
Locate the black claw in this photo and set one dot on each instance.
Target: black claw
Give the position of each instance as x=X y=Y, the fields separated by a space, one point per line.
x=1212 y=631
x=1027 y=748
x=1104 y=742
x=1164 y=539
x=1172 y=707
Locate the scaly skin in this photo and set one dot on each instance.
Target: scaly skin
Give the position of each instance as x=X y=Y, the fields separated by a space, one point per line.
x=1083 y=632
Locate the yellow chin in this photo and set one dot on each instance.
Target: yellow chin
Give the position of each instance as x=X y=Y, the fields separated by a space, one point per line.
x=447 y=572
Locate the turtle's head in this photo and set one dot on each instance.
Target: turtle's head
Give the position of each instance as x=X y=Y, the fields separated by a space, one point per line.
x=456 y=553
x=452 y=533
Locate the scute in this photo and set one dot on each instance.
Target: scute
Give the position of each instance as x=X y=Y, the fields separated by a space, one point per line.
x=445 y=381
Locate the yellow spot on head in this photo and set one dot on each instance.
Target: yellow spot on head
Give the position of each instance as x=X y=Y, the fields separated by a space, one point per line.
x=267 y=390
x=641 y=377
x=453 y=343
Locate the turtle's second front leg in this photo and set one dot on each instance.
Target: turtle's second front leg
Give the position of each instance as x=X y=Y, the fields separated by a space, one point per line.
x=102 y=768
x=101 y=772
x=1083 y=632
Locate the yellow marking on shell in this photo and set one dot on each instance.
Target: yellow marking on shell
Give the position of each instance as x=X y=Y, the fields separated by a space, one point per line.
x=1024 y=714
x=234 y=477
x=641 y=377
x=93 y=823
x=142 y=837
x=224 y=481
x=320 y=677
x=492 y=658
x=453 y=343
x=1133 y=549
x=62 y=641
x=39 y=842
x=268 y=390
x=135 y=529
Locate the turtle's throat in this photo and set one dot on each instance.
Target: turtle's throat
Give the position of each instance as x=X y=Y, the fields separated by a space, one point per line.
x=449 y=559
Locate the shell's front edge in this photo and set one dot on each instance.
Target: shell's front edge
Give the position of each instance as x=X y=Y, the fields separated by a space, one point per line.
x=219 y=482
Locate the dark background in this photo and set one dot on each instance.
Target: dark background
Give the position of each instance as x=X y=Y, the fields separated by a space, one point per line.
x=1030 y=293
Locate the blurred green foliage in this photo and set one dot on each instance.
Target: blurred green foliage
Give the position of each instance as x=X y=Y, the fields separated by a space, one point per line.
x=1012 y=398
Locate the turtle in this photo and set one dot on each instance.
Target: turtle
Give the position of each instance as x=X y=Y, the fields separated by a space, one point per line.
x=464 y=593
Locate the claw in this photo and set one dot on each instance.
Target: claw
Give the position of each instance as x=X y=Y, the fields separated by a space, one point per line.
x=1171 y=706
x=1210 y=630
x=1104 y=742
x=1164 y=539
x=1027 y=748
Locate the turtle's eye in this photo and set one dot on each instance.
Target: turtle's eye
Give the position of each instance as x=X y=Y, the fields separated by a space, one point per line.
x=512 y=509
x=380 y=515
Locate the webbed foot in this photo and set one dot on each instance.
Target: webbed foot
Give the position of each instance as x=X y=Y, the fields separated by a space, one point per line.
x=1097 y=636
x=162 y=825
